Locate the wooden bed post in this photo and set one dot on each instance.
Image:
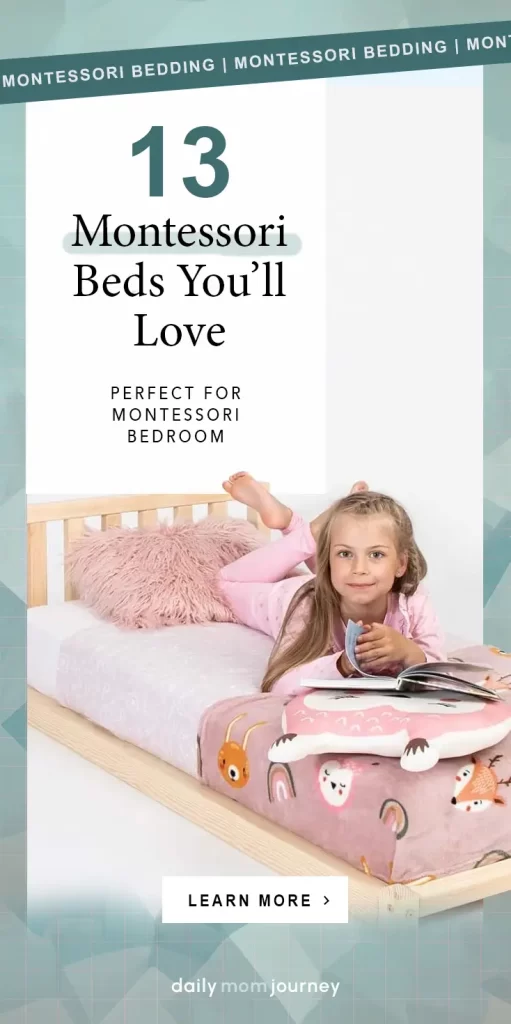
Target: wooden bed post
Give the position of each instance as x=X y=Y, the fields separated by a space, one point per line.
x=73 y=529
x=37 y=582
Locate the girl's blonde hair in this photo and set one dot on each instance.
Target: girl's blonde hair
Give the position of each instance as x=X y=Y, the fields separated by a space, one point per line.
x=315 y=638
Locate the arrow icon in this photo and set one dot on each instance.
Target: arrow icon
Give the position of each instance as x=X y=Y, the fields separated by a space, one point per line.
x=326 y=899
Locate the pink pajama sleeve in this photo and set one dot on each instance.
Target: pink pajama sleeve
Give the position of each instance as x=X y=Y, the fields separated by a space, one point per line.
x=270 y=563
x=256 y=586
x=321 y=668
x=425 y=627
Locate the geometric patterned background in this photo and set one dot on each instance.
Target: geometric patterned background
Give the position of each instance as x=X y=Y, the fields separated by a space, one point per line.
x=497 y=355
x=113 y=963
x=117 y=965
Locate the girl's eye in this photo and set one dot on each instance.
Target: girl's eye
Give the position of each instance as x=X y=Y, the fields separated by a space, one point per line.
x=377 y=554
x=343 y=554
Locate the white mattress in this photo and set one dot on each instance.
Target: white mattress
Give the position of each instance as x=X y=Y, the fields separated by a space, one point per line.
x=147 y=686
x=47 y=627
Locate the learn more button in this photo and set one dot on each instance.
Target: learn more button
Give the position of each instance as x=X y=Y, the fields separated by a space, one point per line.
x=254 y=900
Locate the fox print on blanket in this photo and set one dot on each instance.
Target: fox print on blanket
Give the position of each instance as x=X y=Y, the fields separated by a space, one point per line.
x=417 y=729
x=477 y=786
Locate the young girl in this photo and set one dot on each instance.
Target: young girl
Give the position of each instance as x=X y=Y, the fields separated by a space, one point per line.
x=368 y=568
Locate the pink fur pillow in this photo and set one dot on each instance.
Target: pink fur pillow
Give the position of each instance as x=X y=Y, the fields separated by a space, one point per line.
x=159 y=576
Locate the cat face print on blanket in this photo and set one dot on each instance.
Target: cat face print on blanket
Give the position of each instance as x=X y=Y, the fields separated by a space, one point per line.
x=417 y=729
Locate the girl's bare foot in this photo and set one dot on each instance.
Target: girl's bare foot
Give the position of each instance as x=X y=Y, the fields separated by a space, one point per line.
x=242 y=487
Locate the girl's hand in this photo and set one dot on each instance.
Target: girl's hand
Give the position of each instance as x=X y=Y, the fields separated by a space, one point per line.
x=380 y=646
x=345 y=667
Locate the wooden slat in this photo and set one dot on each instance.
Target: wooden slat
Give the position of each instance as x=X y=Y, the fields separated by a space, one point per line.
x=182 y=512
x=113 y=519
x=218 y=509
x=148 y=517
x=464 y=887
x=37 y=582
x=73 y=529
x=82 y=508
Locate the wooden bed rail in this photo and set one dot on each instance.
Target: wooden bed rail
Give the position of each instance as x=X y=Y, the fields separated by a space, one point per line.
x=110 y=509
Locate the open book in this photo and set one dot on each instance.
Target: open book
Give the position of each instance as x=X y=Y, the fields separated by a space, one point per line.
x=434 y=675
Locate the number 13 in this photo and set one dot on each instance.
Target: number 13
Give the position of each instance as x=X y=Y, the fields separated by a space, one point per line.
x=153 y=141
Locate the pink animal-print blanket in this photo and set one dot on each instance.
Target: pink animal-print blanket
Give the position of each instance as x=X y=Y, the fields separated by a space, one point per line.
x=398 y=825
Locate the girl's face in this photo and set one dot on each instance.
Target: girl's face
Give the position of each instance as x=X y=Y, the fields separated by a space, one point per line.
x=364 y=558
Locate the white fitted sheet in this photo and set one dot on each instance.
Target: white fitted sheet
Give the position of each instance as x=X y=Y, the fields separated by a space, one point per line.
x=149 y=687
x=47 y=627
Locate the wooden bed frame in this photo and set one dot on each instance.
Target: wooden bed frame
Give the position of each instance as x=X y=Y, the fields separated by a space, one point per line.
x=260 y=839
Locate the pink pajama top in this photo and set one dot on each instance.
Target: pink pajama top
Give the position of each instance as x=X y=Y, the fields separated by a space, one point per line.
x=413 y=617
x=259 y=590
